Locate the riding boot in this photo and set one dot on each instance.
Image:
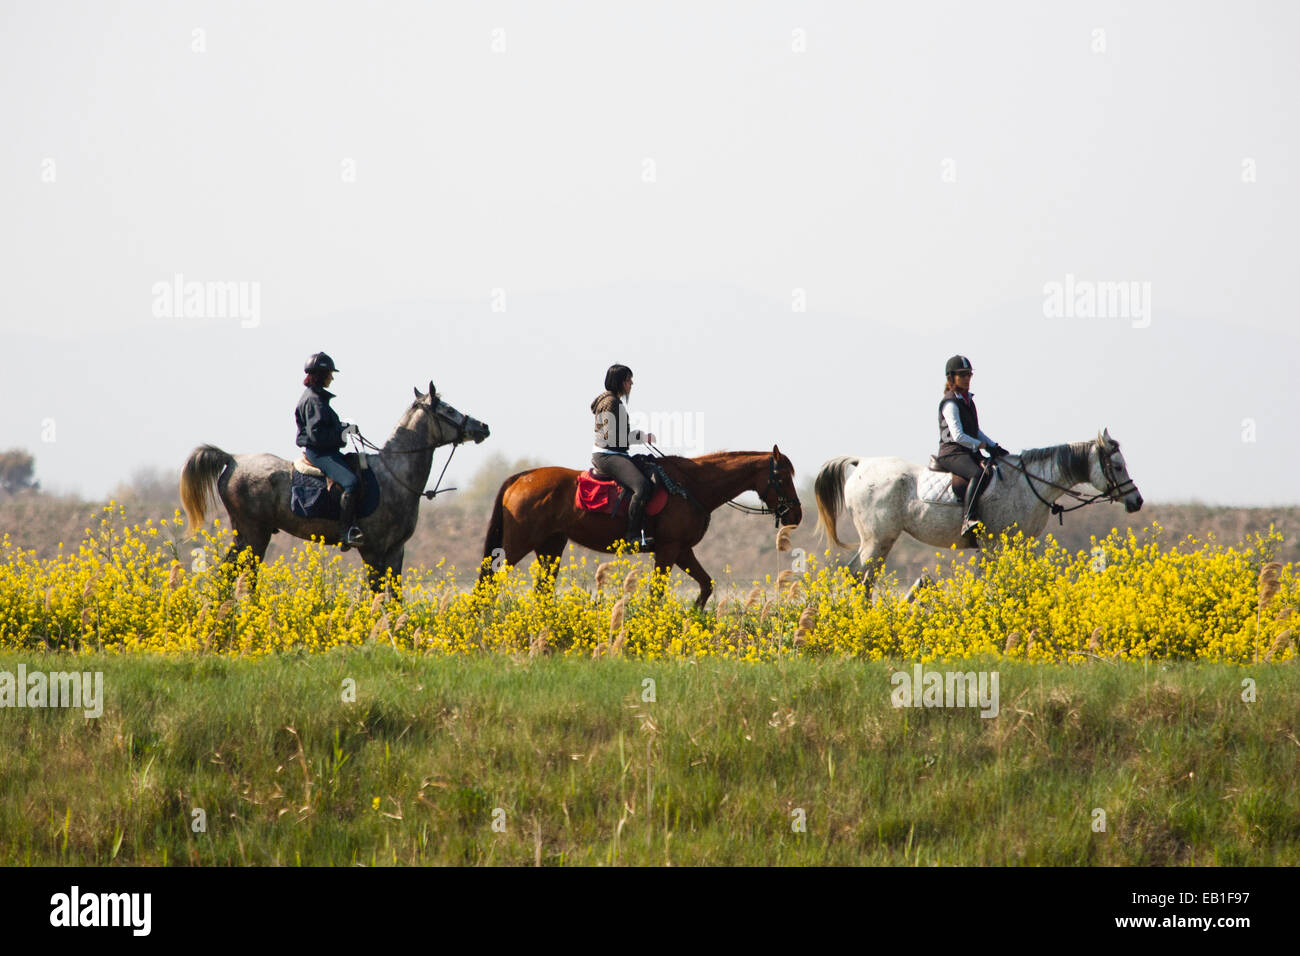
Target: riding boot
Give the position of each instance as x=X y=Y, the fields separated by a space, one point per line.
x=349 y=533
x=636 y=535
x=969 y=517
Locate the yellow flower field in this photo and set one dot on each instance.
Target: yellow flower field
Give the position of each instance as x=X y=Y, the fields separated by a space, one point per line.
x=135 y=590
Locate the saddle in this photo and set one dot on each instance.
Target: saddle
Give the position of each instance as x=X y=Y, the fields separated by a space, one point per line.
x=932 y=487
x=956 y=482
x=359 y=465
x=601 y=493
x=312 y=494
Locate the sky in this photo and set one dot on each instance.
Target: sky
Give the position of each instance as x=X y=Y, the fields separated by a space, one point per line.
x=785 y=217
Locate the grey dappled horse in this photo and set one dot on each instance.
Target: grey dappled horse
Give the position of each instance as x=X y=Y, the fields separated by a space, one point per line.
x=883 y=501
x=255 y=488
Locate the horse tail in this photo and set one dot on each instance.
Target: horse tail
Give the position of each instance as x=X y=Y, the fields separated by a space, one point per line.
x=829 y=487
x=198 y=482
x=496 y=531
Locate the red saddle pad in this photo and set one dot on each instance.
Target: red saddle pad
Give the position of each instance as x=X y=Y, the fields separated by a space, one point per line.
x=599 y=494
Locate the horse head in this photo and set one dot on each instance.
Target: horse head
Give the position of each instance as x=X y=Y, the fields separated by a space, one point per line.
x=1108 y=472
x=446 y=425
x=779 y=493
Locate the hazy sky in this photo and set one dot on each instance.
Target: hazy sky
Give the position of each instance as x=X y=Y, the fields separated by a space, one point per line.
x=784 y=216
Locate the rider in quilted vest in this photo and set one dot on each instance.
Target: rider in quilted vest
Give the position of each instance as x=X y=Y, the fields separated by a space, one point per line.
x=610 y=451
x=321 y=435
x=960 y=438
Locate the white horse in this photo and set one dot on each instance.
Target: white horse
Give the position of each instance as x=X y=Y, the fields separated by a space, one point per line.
x=887 y=496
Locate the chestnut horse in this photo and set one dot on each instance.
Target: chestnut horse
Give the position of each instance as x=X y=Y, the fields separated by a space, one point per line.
x=535 y=512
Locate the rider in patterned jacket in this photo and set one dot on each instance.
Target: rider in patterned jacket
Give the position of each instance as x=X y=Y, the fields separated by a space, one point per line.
x=610 y=455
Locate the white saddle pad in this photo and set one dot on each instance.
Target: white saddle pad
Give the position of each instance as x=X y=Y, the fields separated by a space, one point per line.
x=936 y=487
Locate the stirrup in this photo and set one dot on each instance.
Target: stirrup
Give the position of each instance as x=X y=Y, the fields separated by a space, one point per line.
x=353 y=537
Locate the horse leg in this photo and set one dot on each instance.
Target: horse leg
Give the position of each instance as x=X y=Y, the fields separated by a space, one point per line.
x=664 y=561
x=548 y=558
x=250 y=540
x=871 y=556
x=689 y=563
x=376 y=565
x=392 y=562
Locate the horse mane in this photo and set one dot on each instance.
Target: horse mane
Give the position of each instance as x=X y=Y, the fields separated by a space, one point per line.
x=713 y=457
x=689 y=466
x=1070 y=459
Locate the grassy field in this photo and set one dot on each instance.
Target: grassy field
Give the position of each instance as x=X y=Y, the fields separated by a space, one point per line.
x=575 y=766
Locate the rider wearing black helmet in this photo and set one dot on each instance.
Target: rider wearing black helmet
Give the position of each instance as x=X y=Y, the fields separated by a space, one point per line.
x=321 y=435
x=960 y=438
x=610 y=452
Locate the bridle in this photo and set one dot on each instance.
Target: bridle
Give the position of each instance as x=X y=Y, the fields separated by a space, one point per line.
x=1115 y=489
x=783 y=504
x=437 y=411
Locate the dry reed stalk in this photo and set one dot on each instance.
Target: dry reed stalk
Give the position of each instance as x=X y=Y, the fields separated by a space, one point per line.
x=630 y=582
x=1279 y=645
x=1268 y=582
x=541 y=643
x=783 y=537
x=616 y=616
x=807 y=621
x=603 y=574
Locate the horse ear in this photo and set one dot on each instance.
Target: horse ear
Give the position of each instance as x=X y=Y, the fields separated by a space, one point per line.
x=417 y=392
x=432 y=390
x=776 y=452
x=1106 y=435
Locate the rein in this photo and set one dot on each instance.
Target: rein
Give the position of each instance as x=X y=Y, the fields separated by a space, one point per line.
x=1112 y=493
x=437 y=490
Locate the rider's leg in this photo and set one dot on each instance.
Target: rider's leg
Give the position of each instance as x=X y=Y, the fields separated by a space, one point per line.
x=973 y=492
x=966 y=464
x=627 y=473
x=336 y=468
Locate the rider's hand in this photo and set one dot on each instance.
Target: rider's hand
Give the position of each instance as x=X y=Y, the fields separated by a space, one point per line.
x=349 y=428
x=651 y=439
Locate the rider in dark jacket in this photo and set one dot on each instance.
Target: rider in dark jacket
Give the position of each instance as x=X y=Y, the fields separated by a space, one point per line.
x=321 y=434
x=960 y=438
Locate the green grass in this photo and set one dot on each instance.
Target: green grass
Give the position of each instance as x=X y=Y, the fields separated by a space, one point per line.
x=587 y=772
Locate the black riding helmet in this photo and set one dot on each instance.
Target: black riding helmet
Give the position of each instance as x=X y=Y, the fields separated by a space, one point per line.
x=958 y=363
x=320 y=361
